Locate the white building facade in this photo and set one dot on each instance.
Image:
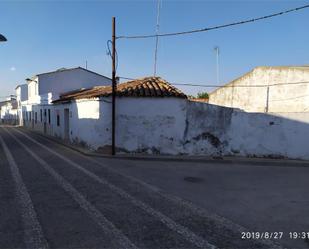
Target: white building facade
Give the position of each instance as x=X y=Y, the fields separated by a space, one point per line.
x=267 y=89
x=154 y=117
x=147 y=112
x=22 y=100
x=38 y=111
x=9 y=111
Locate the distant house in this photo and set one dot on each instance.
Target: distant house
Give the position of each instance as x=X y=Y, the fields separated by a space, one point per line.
x=46 y=87
x=149 y=116
x=267 y=89
x=43 y=88
x=8 y=111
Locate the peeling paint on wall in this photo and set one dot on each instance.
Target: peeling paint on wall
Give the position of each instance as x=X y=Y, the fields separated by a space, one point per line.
x=180 y=127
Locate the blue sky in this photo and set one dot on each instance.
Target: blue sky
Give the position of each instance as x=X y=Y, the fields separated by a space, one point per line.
x=47 y=35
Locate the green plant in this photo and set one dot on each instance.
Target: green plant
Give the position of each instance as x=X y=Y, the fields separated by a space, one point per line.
x=202 y=95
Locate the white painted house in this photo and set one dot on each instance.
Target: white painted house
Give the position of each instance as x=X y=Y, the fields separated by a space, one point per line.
x=43 y=88
x=8 y=111
x=22 y=100
x=267 y=89
x=149 y=116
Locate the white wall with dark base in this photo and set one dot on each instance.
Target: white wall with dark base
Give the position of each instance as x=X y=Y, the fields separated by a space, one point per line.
x=178 y=126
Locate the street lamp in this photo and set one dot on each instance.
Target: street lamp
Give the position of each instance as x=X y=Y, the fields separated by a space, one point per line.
x=2 y=38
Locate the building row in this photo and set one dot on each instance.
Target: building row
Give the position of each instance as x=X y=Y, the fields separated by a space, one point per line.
x=75 y=105
x=242 y=118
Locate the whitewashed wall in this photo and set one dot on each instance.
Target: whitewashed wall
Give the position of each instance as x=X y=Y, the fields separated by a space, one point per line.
x=279 y=98
x=143 y=125
x=226 y=131
x=151 y=125
x=60 y=82
x=9 y=113
x=29 y=112
x=21 y=93
x=278 y=135
x=33 y=91
x=215 y=130
x=22 y=100
x=89 y=123
x=206 y=127
x=177 y=126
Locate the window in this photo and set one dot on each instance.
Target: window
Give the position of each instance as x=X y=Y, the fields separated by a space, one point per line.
x=41 y=115
x=58 y=120
x=29 y=116
x=36 y=117
x=49 y=116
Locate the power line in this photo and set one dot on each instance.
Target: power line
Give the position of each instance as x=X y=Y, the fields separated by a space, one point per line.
x=235 y=86
x=287 y=99
x=215 y=27
x=228 y=85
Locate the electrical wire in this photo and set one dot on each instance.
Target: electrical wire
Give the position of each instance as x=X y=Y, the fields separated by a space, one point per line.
x=215 y=27
x=228 y=86
x=110 y=53
x=292 y=98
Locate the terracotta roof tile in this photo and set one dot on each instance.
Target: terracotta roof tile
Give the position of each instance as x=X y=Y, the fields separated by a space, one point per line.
x=145 y=87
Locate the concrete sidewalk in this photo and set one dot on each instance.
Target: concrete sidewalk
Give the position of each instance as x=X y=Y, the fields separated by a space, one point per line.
x=183 y=158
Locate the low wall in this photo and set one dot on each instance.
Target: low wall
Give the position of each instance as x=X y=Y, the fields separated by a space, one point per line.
x=177 y=126
x=205 y=130
x=216 y=130
x=277 y=135
x=147 y=125
x=151 y=125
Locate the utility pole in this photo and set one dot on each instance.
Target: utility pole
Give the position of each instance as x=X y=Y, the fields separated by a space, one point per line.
x=216 y=49
x=114 y=86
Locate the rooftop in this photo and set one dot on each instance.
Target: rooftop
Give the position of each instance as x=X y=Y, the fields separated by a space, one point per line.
x=144 y=87
x=65 y=70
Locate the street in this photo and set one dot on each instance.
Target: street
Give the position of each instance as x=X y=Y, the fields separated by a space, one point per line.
x=54 y=197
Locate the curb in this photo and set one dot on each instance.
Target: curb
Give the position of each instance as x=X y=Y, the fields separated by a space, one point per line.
x=214 y=160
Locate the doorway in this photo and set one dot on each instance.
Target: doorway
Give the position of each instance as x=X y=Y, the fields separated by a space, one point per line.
x=45 y=120
x=66 y=124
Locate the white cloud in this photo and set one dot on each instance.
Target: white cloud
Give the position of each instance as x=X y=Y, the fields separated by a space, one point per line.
x=13 y=69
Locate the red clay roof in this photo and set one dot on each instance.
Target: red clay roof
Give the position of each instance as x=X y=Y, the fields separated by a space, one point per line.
x=145 y=87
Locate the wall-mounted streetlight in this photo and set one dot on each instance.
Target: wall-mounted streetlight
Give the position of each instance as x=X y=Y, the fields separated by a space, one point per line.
x=2 y=38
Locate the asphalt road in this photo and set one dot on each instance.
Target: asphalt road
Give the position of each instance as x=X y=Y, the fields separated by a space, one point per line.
x=53 y=197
